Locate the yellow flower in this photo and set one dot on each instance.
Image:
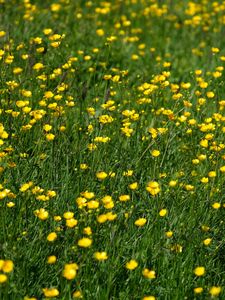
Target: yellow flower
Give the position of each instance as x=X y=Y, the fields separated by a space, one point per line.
x=51 y=194
x=50 y=136
x=47 y=31
x=169 y=234
x=198 y=290
x=216 y=205
x=10 y=204
x=91 y=111
x=51 y=259
x=93 y=204
x=199 y=271
x=207 y=241
x=62 y=128
x=210 y=94
x=87 y=230
x=204 y=143
x=109 y=205
x=153 y=188
x=155 y=153
x=149 y=274
x=87 y=57
x=163 y=212
x=38 y=66
x=50 y=292
x=88 y=195
x=52 y=237
x=102 y=218
x=212 y=174
x=140 y=222
x=41 y=213
x=84 y=242
x=215 y=50
x=215 y=290
x=81 y=202
x=71 y=223
x=204 y=180
x=111 y=216
x=55 y=44
x=17 y=70
x=128 y=173
x=48 y=94
x=172 y=183
x=68 y=215
x=55 y=7
x=124 y=198
x=107 y=77
x=24 y=187
x=42 y=198
x=132 y=264
x=101 y=175
x=189 y=187
x=47 y=127
x=133 y=186
x=3 y=278
x=177 y=248
x=100 y=32
x=195 y=161
x=7 y=266
x=104 y=119
x=107 y=199
x=149 y=298
x=100 y=255
x=116 y=78
x=70 y=271
x=222 y=169
x=77 y=294
x=2 y=33
x=202 y=157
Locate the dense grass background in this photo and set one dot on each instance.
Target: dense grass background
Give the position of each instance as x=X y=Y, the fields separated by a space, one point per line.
x=165 y=92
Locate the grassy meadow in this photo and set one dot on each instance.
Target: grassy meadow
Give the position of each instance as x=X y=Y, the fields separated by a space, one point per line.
x=112 y=150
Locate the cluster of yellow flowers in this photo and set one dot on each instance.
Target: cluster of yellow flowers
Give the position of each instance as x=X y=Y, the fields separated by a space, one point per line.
x=112 y=152
x=6 y=266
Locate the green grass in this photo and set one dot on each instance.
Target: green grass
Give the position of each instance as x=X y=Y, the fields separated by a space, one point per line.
x=134 y=73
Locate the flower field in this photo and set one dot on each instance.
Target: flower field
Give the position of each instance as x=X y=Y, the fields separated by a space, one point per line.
x=112 y=150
